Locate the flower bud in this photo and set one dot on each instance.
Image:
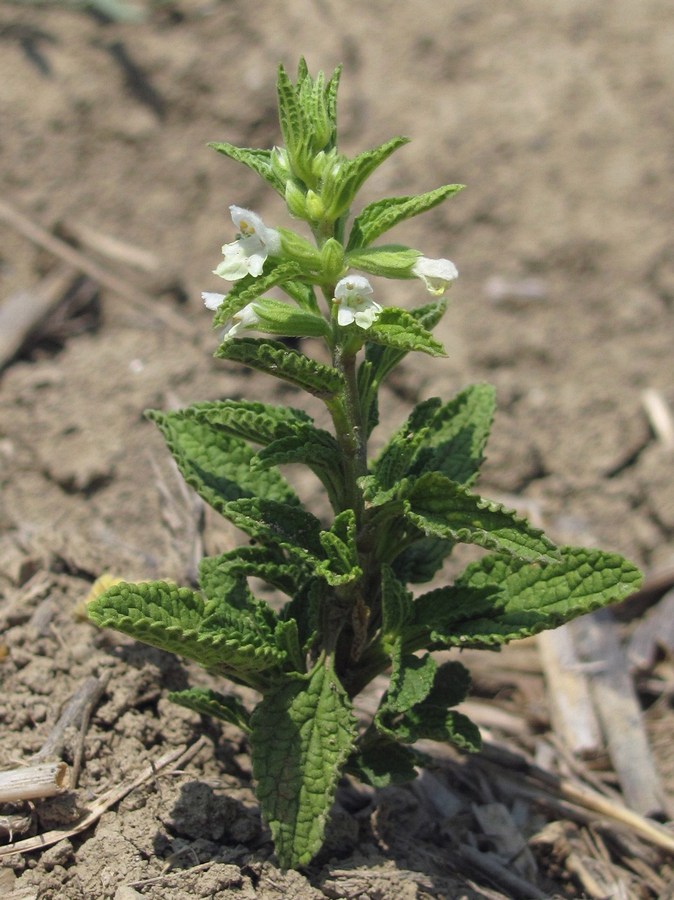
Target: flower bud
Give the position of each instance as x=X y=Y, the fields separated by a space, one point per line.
x=332 y=260
x=315 y=208
x=295 y=200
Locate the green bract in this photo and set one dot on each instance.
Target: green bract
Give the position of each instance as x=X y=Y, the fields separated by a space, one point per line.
x=348 y=613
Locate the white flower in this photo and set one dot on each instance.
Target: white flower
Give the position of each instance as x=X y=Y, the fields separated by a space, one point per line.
x=211 y=300
x=246 y=255
x=352 y=295
x=436 y=274
x=245 y=318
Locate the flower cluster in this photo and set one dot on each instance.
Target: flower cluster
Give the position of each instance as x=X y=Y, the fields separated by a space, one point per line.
x=352 y=298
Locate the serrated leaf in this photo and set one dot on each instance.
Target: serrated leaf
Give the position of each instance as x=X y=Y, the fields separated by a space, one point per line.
x=397 y=329
x=353 y=173
x=420 y=561
x=396 y=458
x=225 y=707
x=396 y=604
x=411 y=681
x=339 y=544
x=265 y=562
x=288 y=639
x=289 y=527
x=178 y=620
x=303 y=294
x=292 y=121
x=331 y=103
x=390 y=261
x=384 y=762
x=257 y=160
x=314 y=448
x=457 y=435
x=499 y=599
x=260 y=423
x=276 y=359
x=217 y=465
x=250 y=288
x=302 y=735
x=380 y=361
x=441 y=508
x=382 y=215
x=421 y=708
x=433 y=723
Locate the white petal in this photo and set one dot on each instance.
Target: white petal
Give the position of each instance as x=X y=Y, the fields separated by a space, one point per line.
x=353 y=284
x=437 y=274
x=211 y=300
x=345 y=316
x=235 y=264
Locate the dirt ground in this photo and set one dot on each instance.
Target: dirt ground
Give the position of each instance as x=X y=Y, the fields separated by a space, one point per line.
x=558 y=118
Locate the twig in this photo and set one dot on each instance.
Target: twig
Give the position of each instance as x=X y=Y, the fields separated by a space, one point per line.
x=618 y=710
x=22 y=312
x=488 y=864
x=112 y=247
x=571 y=707
x=526 y=780
x=179 y=756
x=659 y=416
x=34 y=782
x=62 y=250
x=76 y=712
x=655 y=629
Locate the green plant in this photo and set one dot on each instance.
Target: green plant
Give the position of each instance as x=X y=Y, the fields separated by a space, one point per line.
x=350 y=615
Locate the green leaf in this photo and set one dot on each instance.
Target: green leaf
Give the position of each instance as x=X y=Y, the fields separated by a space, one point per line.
x=451 y=685
x=275 y=359
x=302 y=735
x=396 y=458
x=457 y=435
x=383 y=762
x=331 y=89
x=397 y=329
x=265 y=562
x=260 y=423
x=382 y=215
x=499 y=599
x=433 y=723
x=380 y=361
x=285 y=526
x=392 y=261
x=396 y=604
x=217 y=465
x=303 y=294
x=288 y=639
x=292 y=121
x=411 y=681
x=441 y=508
x=314 y=448
x=250 y=288
x=257 y=160
x=339 y=543
x=419 y=708
x=338 y=194
x=420 y=561
x=225 y=707
x=218 y=637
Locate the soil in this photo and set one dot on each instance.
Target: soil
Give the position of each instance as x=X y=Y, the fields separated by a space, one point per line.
x=558 y=118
